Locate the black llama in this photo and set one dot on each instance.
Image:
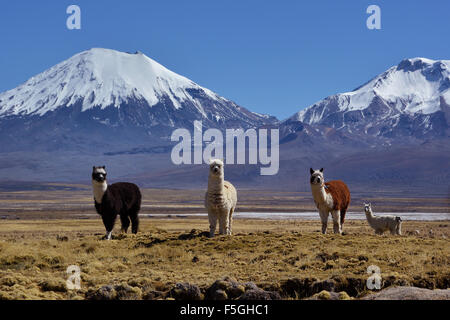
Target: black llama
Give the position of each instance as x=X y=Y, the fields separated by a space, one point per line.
x=121 y=198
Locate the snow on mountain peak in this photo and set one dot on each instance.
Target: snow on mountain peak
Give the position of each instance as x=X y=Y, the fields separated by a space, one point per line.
x=98 y=77
x=414 y=64
x=415 y=85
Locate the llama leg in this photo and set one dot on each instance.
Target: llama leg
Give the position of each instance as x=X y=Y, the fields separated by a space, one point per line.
x=134 y=223
x=336 y=214
x=212 y=224
x=324 y=219
x=230 y=221
x=223 y=222
x=399 y=228
x=108 y=222
x=125 y=223
x=392 y=230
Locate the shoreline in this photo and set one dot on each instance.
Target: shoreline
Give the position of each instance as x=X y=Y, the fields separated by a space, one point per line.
x=269 y=216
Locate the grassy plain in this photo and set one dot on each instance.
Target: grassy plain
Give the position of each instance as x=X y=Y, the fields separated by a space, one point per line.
x=46 y=228
x=280 y=255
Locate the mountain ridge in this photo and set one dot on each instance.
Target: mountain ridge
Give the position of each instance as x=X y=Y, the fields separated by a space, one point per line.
x=376 y=143
x=430 y=67
x=408 y=100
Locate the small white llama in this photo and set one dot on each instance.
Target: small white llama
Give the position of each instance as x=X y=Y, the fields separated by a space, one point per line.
x=383 y=223
x=220 y=199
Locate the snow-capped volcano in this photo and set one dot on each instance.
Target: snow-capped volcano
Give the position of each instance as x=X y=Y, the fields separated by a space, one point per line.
x=101 y=92
x=103 y=107
x=411 y=98
x=99 y=78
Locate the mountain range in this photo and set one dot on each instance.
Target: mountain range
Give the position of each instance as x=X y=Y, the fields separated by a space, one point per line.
x=107 y=107
x=408 y=101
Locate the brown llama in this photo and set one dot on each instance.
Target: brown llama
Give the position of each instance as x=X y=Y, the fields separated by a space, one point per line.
x=330 y=197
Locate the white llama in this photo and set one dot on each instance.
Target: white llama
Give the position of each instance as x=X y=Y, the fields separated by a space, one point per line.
x=220 y=199
x=383 y=223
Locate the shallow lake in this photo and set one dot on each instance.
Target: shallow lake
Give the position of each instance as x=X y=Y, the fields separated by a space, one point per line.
x=315 y=216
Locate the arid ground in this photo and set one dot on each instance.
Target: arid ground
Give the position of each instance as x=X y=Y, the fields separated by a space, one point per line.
x=42 y=232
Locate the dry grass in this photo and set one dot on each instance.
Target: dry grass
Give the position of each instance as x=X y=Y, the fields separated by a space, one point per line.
x=33 y=261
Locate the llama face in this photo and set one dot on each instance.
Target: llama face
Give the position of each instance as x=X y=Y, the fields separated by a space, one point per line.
x=99 y=174
x=216 y=167
x=367 y=207
x=316 y=177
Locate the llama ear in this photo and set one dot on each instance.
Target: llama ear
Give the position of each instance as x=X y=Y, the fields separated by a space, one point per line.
x=104 y=167
x=93 y=168
x=311 y=171
x=321 y=170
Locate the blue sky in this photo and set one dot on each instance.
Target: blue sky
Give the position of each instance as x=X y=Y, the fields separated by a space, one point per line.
x=273 y=57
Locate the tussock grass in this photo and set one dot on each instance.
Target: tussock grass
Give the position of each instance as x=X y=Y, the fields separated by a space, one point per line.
x=34 y=256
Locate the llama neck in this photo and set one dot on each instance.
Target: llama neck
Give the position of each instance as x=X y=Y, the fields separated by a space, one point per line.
x=99 y=189
x=319 y=193
x=215 y=184
x=369 y=215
